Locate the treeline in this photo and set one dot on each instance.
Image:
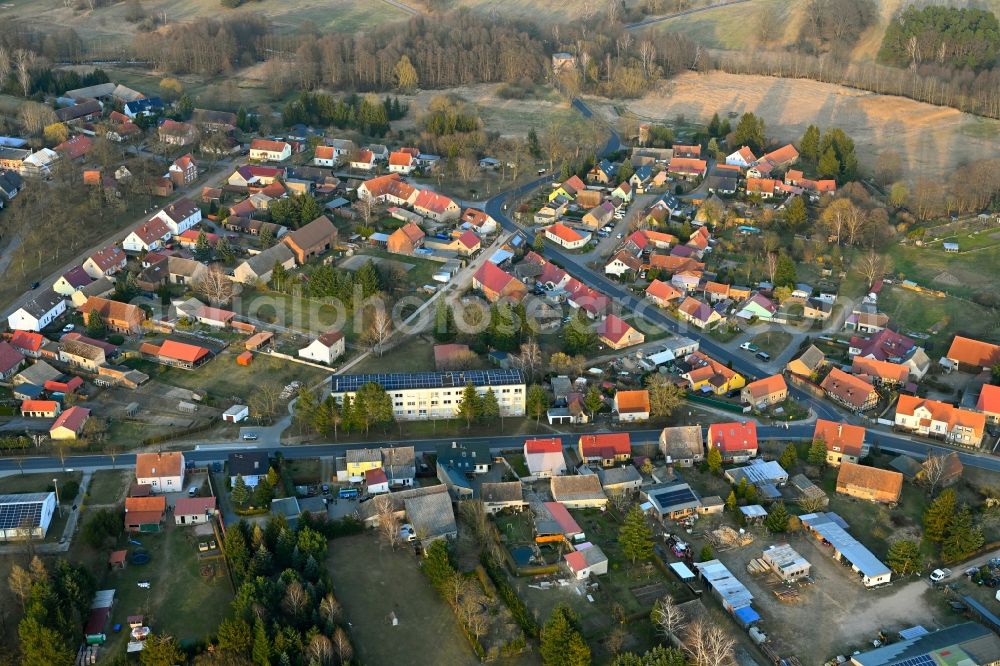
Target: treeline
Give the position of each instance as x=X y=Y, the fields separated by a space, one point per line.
x=364 y=113
x=56 y=604
x=207 y=47
x=834 y=26
x=966 y=90
x=945 y=36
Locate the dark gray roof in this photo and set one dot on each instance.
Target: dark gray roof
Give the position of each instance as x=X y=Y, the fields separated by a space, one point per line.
x=504 y=491
x=431 y=515
x=264 y=262
x=429 y=380
x=464 y=456
x=978 y=642
x=248 y=463
x=43 y=302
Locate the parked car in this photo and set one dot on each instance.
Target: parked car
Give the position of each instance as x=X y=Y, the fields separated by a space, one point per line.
x=750 y=347
x=764 y=356
x=68 y=327
x=249 y=437
x=939 y=575
x=35 y=285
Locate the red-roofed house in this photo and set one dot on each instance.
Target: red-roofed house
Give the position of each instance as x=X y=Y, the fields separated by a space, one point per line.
x=737 y=442
x=363 y=160
x=70 y=423
x=939 y=419
x=325 y=156
x=697 y=313
x=194 y=510
x=742 y=158
x=144 y=514
x=544 y=457
x=436 y=206
x=400 y=162
x=406 y=239
x=765 y=392
x=606 y=448
x=326 y=348
x=468 y=244
x=972 y=355
x=149 y=235
x=852 y=392
x=10 y=360
x=75 y=147
x=590 y=561
x=764 y=187
x=478 y=220
x=632 y=405
x=881 y=373
x=28 y=343
x=182 y=354
x=622 y=262
x=687 y=167
x=105 y=262
x=376 y=481
x=618 y=334
x=844 y=442
x=989 y=402
x=662 y=293
x=496 y=284
x=183 y=171
x=40 y=409
x=265 y=150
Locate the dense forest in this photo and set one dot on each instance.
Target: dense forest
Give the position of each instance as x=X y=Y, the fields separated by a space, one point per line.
x=943 y=36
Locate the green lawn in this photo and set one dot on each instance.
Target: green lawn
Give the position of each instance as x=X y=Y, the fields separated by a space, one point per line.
x=973 y=269
x=415 y=354
x=180 y=601
x=939 y=317
x=38 y=483
x=515 y=527
x=518 y=462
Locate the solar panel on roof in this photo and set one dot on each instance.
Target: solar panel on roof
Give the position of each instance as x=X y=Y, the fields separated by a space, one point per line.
x=922 y=660
x=20 y=515
x=402 y=381
x=672 y=497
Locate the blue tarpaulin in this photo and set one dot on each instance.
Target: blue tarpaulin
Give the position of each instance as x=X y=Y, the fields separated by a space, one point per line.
x=747 y=615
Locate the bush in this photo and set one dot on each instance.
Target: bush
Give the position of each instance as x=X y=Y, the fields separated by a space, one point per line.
x=68 y=491
x=116 y=339
x=518 y=610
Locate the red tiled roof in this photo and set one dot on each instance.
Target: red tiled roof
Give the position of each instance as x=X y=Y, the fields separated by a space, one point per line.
x=149 y=465
x=73 y=418
x=468 y=240
x=109 y=257
x=884 y=481
x=974 y=352
x=575 y=183
x=732 y=437
x=190 y=506
x=493 y=278
x=842 y=437
x=632 y=402
x=852 y=390
x=324 y=152
x=330 y=338
x=613 y=328
x=214 y=314
x=475 y=217
x=884 y=370
x=767 y=386
x=27 y=340
x=39 y=406
x=432 y=201
x=76 y=147
x=561 y=231
x=687 y=165
x=154 y=503
x=375 y=476
x=662 y=291
x=182 y=352
x=399 y=158
x=363 y=156
x=9 y=357
x=989 y=399
x=549 y=445
x=786 y=153
x=268 y=145
x=617 y=443
x=152 y=230
x=942 y=411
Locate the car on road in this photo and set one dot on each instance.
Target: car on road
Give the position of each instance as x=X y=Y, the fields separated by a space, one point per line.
x=750 y=347
x=764 y=356
x=939 y=575
x=249 y=437
x=620 y=236
x=68 y=327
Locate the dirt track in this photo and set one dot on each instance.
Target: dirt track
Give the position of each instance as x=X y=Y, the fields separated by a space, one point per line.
x=931 y=140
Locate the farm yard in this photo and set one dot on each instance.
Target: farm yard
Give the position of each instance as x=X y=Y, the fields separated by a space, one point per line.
x=877 y=123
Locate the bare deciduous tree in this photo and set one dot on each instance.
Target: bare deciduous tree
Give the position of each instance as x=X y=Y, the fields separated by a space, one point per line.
x=34 y=117
x=215 y=285
x=668 y=618
x=772 y=266
x=342 y=646
x=933 y=471
x=708 y=645
x=620 y=500
x=20 y=583
x=23 y=61
x=379 y=329
x=812 y=503
x=295 y=598
x=870 y=266
x=388 y=521
x=330 y=609
x=467 y=168
x=320 y=650
x=530 y=359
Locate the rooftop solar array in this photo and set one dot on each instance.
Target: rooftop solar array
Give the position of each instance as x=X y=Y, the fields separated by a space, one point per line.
x=428 y=380
x=922 y=660
x=673 y=496
x=21 y=510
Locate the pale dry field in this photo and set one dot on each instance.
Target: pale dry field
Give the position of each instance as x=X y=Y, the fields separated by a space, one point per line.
x=931 y=140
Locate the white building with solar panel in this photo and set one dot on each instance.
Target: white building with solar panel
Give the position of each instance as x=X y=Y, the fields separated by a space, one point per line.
x=26 y=516
x=418 y=396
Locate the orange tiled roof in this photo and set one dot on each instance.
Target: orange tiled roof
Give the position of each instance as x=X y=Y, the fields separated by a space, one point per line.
x=155 y=503
x=767 y=386
x=268 y=145
x=842 y=437
x=632 y=401
x=942 y=411
x=613 y=328
x=560 y=230
x=883 y=481
x=989 y=399
x=885 y=370
x=973 y=352
x=663 y=291
x=148 y=465
x=852 y=390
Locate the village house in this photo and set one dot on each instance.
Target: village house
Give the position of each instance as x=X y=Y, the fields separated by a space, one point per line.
x=163 y=472
x=578 y=492
x=932 y=418
x=568 y=189
x=148 y=236
x=989 y=403
x=618 y=481
x=604 y=172
x=497 y=497
x=11 y=360
x=687 y=167
x=253 y=466
x=362 y=160
x=623 y=262
x=82 y=355
x=400 y=162
x=697 y=313
x=312 y=240
x=177 y=354
x=544 y=457
x=844 y=442
x=84 y=111
x=71 y=281
x=104 y=262
x=436 y=206
x=326 y=348
x=37 y=313
x=180 y=216
x=631 y=405
x=663 y=293
x=143 y=107
x=736 y=441
x=869 y=483
x=618 y=334
x=496 y=284
x=682 y=445
x=144 y=514
x=809 y=362
x=74 y=148
x=194 y=510
x=468 y=243
x=69 y=424
x=671 y=501
x=265 y=150
x=704 y=373
x=176 y=133
x=325 y=156
x=563 y=236
x=765 y=392
x=406 y=239
x=183 y=171
x=40 y=409
x=742 y=158
x=10 y=184
x=117 y=316
x=852 y=392
x=599 y=215
x=776 y=160
x=478 y=221
x=359 y=461
x=880 y=373
x=970 y=355
x=605 y=449
x=27 y=343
